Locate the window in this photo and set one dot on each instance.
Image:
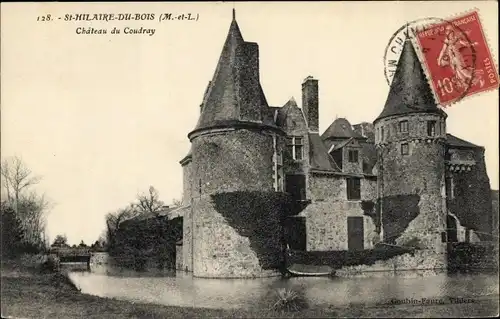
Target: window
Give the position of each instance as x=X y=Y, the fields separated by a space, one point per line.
x=403 y=126
x=353 y=156
x=277 y=168
x=405 y=150
x=296 y=186
x=353 y=188
x=295 y=147
x=382 y=133
x=450 y=188
x=431 y=128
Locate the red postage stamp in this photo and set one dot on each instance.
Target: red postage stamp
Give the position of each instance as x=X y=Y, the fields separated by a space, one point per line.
x=457 y=58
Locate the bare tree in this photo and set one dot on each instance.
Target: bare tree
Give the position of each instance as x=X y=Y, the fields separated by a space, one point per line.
x=114 y=219
x=149 y=203
x=16 y=177
x=30 y=208
x=177 y=202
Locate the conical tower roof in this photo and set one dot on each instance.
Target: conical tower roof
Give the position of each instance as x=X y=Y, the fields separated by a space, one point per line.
x=410 y=92
x=227 y=95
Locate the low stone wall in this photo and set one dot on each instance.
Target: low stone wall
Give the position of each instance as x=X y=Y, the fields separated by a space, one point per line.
x=472 y=256
x=417 y=260
x=99 y=258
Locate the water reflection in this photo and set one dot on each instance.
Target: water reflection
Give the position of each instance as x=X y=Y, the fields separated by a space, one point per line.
x=183 y=290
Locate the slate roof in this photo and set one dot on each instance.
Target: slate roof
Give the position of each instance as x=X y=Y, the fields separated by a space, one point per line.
x=452 y=140
x=221 y=99
x=340 y=128
x=410 y=91
x=318 y=154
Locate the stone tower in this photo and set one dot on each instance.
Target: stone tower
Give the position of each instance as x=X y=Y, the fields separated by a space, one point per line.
x=234 y=151
x=409 y=136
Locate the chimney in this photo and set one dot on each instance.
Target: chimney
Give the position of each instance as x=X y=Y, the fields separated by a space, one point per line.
x=248 y=82
x=310 y=103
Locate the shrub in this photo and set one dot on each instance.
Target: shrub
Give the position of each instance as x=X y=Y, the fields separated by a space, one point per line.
x=289 y=301
x=50 y=265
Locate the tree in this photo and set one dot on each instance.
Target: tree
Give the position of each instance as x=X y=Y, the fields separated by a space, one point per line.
x=60 y=241
x=30 y=208
x=12 y=232
x=113 y=221
x=16 y=178
x=177 y=202
x=149 y=203
x=82 y=244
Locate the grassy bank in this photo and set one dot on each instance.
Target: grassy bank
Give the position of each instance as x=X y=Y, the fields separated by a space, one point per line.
x=31 y=294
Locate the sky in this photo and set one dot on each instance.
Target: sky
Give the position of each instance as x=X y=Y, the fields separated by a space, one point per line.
x=103 y=117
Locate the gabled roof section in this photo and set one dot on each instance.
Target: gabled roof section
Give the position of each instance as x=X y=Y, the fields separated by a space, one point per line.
x=279 y=114
x=340 y=145
x=340 y=128
x=318 y=155
x=410 y=92
x=235 y=91
x=454 y=141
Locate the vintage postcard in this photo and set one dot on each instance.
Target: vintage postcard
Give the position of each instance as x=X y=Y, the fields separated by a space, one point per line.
x=249 y=159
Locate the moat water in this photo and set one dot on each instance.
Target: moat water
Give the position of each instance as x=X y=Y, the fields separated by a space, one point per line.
x=181 y=289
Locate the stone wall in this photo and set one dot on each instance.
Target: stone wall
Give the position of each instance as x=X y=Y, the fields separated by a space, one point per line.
x=326 y=216
x=295 y=125
x=494 y=196
x=230 y=166
x=310 y=103
x=99 y=258
x=387 y=129
x=348 y=167
x=326 y=225
x=412 y=186
x=238 y=234
x=187 y=240
x=232 y=161
x=472 y=201
x=187 y=180
x=417 y=260
x=178 y=257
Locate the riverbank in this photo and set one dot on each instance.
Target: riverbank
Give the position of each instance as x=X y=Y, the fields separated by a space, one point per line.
x=31 y=294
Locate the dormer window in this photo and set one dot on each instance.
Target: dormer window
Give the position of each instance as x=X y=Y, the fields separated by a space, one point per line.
x=353 y=156
x=295 y=147
x=431 y=128
x=403 y=126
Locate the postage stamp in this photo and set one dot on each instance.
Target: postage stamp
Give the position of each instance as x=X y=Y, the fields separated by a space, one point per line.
x=457 y=58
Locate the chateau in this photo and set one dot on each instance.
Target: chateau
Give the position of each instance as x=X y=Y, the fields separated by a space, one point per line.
x=402 y=180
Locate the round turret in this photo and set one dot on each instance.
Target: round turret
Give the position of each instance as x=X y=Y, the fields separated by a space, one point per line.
x=409 y=136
